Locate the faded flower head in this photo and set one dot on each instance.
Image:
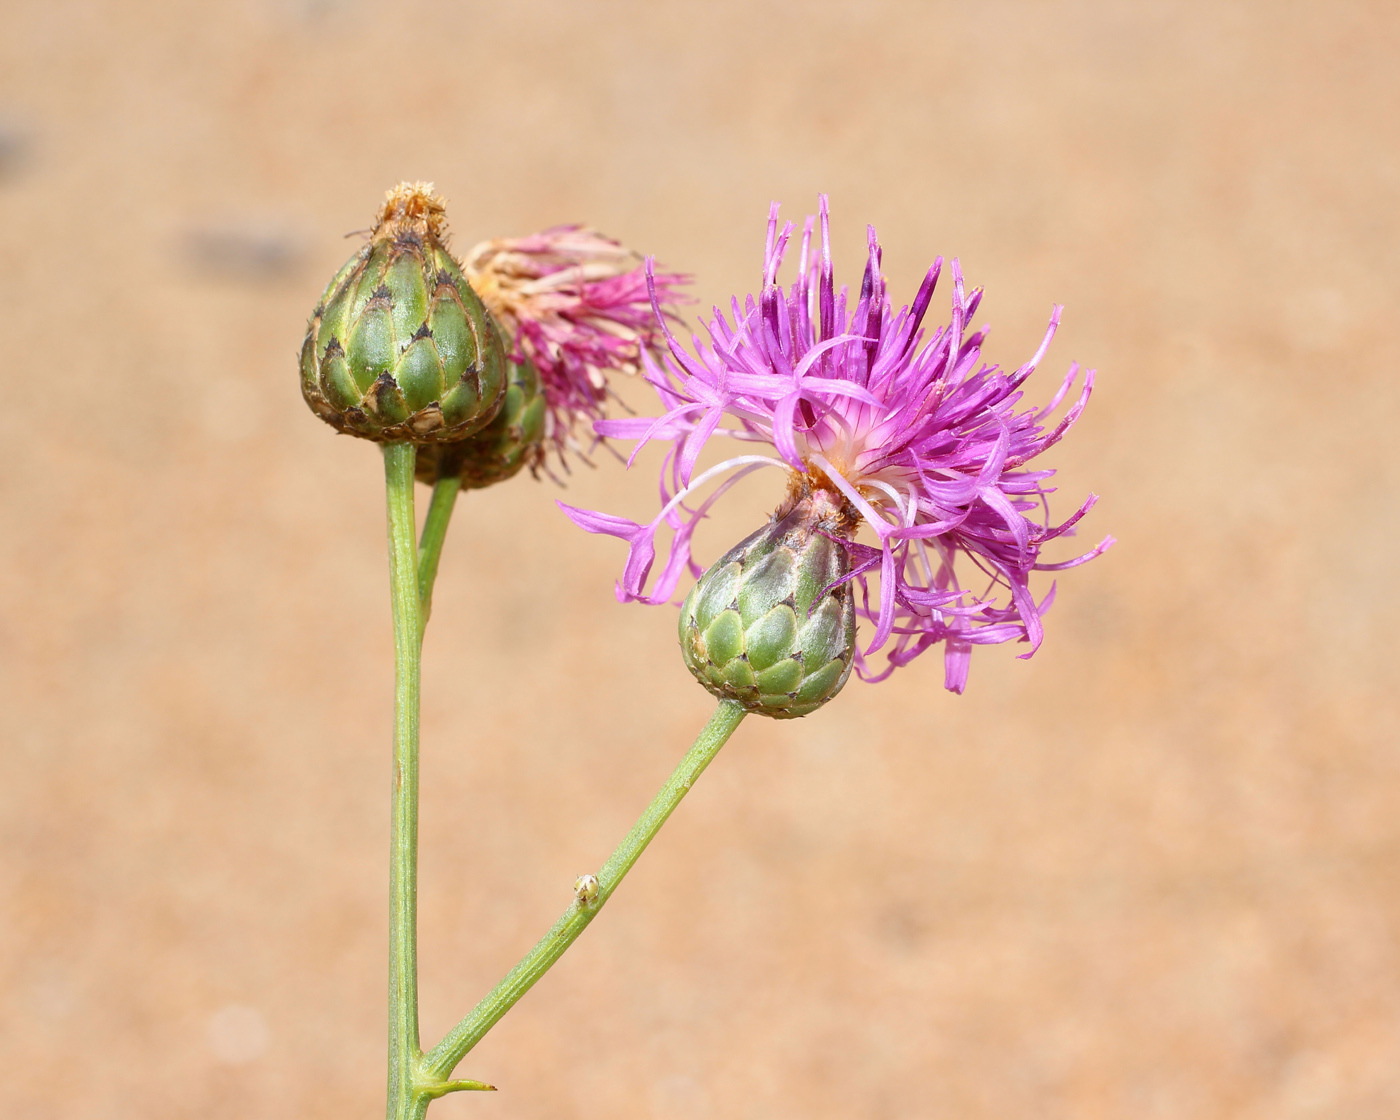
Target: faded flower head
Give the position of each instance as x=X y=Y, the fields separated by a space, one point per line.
x=919 y=443
x=577 y=305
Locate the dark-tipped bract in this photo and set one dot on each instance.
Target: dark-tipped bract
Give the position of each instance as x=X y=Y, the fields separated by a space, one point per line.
x=401 y=348
x=772 y=624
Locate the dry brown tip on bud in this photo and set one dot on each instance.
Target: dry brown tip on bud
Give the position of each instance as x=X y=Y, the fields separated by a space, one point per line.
x=826 y=508
x=413 y=209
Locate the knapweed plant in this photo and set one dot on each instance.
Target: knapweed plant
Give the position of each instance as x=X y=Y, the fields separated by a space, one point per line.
x=908 y=516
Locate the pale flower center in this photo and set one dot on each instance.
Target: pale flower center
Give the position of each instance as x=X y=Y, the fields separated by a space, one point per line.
x=886 y=490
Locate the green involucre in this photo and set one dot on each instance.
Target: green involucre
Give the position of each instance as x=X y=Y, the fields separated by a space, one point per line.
x=401 y=348
x=765 y=628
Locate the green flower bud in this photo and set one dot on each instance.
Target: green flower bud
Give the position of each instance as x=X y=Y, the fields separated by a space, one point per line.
x=499 y=450
x=400 y=346
x=764 y=626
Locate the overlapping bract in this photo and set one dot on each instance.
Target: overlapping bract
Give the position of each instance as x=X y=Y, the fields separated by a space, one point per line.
x=577 y=305
x=400 y=348
x=928 y=446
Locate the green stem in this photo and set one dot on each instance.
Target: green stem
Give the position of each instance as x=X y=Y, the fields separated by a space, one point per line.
x=434 y=533
x=443 y=1058
x=405 y=1101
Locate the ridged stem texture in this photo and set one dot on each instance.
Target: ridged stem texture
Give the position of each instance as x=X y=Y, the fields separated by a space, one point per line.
x=404 y=1051
x=443 y=1058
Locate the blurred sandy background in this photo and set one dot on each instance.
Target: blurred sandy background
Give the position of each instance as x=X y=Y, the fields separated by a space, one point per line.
x=1151 y=873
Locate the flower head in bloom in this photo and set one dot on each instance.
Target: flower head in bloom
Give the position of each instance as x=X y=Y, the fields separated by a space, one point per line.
x=577 y=305
x=925 y=448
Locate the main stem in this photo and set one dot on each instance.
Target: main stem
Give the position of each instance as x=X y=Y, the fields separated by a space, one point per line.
x=443 y=1058
x=405 y=1054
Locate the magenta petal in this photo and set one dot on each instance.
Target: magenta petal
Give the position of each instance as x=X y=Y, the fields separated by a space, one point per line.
x=694 y=441
x=640 y=538
x=599 y=522
x=957 y=659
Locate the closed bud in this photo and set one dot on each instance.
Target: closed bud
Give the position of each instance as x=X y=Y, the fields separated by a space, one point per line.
x=767 y=626
x=500 y=449
x=400 y=347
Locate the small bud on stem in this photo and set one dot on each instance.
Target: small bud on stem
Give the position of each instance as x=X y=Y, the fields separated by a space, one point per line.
x=586 y=888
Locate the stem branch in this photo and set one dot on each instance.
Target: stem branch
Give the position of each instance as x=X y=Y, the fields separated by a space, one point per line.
x=443 y=1058
x=434 y=533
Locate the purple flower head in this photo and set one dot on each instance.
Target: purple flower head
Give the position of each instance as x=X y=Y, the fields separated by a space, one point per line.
x=576 y=304
x=926 y=448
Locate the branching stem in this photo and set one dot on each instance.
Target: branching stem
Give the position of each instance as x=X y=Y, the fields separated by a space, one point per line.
x=416 y=1079
x=443 y=1058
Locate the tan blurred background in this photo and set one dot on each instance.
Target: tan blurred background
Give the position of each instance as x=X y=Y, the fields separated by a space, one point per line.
x=1151 y=873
